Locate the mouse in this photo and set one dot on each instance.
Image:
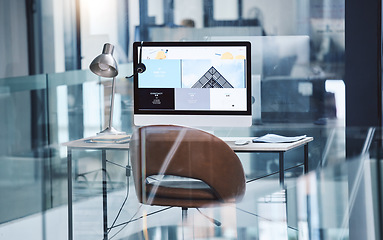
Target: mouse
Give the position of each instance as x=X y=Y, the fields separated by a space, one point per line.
x=241 y=142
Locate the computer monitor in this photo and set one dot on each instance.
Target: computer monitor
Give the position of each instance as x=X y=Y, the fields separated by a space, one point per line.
x=193 y=83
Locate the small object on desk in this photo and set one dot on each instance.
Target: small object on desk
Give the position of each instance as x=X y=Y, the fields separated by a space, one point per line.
x=109 y=139
x=274 y=138
x=241 y=142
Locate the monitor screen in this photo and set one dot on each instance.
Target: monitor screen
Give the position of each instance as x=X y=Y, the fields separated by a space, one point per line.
x=193 y=83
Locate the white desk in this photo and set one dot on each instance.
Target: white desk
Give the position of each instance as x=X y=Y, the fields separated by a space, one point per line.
x=280 y=148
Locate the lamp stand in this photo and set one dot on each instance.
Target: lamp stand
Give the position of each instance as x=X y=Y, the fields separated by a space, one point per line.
x=110 y=130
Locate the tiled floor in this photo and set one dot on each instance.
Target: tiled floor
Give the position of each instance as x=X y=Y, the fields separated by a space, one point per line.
x=258 y=214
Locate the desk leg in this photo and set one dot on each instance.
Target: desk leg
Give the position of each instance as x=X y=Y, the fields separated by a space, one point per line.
x=70 y=206
x=104 y=195
x=306 y=158
x=281 y=170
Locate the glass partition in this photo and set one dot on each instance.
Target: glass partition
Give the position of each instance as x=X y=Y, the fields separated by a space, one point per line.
x=297 y=87
x=42 y=112
x=81 y=107
x=342 y=201
x=24 y=157
x=327 y=203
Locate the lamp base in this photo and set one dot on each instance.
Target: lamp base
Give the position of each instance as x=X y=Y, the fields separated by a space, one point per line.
x=111 y=131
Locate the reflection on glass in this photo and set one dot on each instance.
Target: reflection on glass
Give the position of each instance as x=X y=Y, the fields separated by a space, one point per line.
x=299 y=90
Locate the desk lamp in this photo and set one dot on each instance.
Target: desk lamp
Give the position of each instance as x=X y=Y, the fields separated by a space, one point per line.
x=104 y=65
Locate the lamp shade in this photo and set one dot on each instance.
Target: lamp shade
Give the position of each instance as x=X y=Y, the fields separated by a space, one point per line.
x=104 y=65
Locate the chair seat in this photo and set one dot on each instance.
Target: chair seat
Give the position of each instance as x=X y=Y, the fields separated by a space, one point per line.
x=197 y=190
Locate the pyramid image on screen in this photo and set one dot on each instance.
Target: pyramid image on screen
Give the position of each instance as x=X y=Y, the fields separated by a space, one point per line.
x=212 y=79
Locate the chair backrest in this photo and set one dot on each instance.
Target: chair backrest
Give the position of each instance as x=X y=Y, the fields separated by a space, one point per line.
x=186 y=152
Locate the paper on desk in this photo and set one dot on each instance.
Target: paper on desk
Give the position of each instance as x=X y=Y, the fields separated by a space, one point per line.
x=110 y=139
x=274 y=138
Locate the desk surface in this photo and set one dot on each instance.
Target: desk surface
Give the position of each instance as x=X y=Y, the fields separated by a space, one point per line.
x=86 y=144
x=250 y=147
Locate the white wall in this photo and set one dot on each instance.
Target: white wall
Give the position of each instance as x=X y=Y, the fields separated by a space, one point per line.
x=13 y=39
x=99 y=25
x=134 y=20
x=53 y=36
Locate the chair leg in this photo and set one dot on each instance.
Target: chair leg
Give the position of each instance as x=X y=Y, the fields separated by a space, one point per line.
x=184 y=219
x=184 y=214
x=214 y=221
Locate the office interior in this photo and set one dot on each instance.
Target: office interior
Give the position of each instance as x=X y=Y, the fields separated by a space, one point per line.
x=316 y=71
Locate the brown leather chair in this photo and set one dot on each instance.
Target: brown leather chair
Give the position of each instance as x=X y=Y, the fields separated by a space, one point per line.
x=167 y=150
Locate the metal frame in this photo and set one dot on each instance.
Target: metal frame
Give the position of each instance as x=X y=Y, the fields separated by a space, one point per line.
x=104 y=194
x=281 y=163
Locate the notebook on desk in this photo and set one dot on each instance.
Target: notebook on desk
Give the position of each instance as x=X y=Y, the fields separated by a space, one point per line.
x=274 y=138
